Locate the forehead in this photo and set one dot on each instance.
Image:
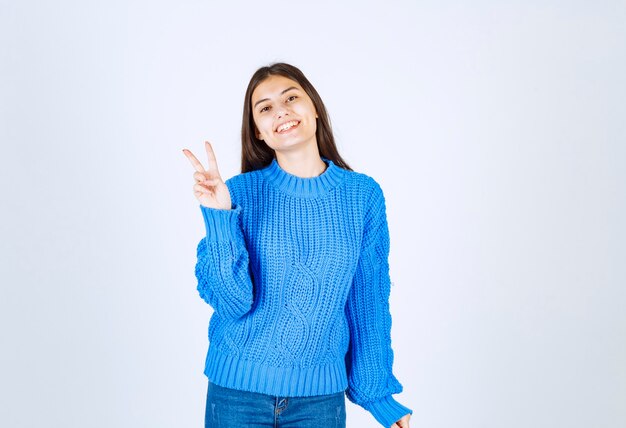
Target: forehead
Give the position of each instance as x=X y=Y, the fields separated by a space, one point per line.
x=272 y=87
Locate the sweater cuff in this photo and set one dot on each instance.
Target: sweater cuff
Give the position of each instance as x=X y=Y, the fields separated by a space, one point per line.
x=387 y=410
x=221 y=225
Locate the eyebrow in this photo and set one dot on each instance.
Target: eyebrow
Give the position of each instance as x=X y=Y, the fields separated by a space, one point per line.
x=267 y=99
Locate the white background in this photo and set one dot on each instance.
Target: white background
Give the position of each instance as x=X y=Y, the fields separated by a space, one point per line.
x=496 y=130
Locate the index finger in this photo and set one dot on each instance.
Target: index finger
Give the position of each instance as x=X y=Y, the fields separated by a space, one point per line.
x=194 y=161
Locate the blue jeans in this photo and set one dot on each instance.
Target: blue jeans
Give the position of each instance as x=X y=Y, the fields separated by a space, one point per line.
x=231 y=408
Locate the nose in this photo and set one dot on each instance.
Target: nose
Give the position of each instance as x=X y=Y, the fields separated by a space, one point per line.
x=280 y=112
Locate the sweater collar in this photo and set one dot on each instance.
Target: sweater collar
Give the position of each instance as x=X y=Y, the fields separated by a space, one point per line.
x=309 y=187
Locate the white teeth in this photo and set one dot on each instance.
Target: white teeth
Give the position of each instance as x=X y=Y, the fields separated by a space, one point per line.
x=287 y=125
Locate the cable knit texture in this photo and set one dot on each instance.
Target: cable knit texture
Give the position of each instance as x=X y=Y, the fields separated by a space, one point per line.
x=297 y=275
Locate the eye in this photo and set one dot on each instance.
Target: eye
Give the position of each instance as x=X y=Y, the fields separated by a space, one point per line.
x=263 y=109
x=292 y=96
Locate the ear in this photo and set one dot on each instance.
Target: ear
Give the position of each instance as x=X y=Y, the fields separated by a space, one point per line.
x=257 y=134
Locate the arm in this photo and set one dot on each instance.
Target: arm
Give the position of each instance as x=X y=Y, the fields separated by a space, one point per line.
x=222 y=267
x=369 y=360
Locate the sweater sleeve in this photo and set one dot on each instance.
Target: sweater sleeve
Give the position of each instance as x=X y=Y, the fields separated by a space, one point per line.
x=222 y=266
x=369 y=360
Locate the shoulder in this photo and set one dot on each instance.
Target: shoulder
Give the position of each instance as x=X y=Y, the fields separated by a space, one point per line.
x=366 y=198
x=240 y=183
x=367 y=187
x=242 y=179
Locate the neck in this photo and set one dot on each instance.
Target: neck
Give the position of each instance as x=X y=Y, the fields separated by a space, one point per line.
x=301 y=166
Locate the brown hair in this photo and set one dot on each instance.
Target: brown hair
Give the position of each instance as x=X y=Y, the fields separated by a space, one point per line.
x=255 y=154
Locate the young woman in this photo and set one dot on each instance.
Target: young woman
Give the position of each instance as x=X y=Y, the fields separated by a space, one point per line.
x=295 y=266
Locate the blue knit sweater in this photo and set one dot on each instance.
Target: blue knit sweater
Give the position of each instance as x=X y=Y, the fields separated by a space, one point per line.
x=297 y=274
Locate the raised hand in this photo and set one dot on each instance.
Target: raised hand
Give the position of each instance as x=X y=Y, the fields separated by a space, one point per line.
x=209 y=187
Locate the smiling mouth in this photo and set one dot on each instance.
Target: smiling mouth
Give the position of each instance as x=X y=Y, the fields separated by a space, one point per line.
x=286 y=127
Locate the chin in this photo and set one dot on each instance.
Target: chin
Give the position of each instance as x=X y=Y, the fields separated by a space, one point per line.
x=287 y=143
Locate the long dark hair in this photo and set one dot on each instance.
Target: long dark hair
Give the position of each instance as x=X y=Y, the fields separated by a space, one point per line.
x=255 y=154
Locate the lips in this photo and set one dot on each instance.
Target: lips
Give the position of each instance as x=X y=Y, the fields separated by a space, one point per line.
x=286 y=126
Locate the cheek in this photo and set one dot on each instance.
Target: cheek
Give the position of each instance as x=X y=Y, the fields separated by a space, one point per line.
x=310 y=109
x=265 y=127
x=260 y=125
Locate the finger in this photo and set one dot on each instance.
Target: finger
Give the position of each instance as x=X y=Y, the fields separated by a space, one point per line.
x=212 y=165
x=212 y=181
x=200 y=188
x=199 y=176
x=194 y=161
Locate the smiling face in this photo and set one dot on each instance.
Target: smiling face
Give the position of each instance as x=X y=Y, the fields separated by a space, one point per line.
x=284 y=115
